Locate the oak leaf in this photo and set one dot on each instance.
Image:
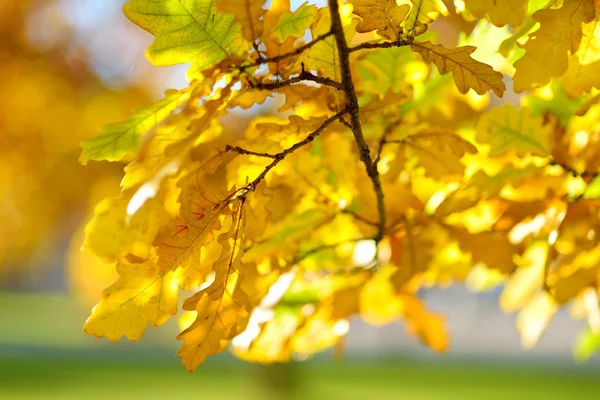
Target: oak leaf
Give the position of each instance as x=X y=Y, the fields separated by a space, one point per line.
x=468 y=72
x=439 y=152
x=547 y=50
x=507 y=128
x=383 y=16
x=323 y=56
x=500 y=13
x=248 y=13
x=187 y=31
x=294 y=24
x=222 y=308
x=118 y=140
x=141 y=295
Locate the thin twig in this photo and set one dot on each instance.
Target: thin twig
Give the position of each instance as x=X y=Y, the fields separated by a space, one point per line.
x=304 y=76
x=385 y=45
x=331 y=201
x=359 y=217
x=573 y=171
x=324 y=247
x=386 y=133
x=282 y=57
x=242 y=151
x=281 y=155
x=353 y=110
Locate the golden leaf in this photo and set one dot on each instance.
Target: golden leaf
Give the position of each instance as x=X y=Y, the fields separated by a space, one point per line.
x=384 y=16
x=491 y=248
x=223 y=307
x=423 y=12
x=292 y=24
x=507 y=129
x=248 y=13
x=439 y=152
x=547 y=50
x=323 y=56
x=141 y=295
x=533 y=320
x=499 y=13
x=200 y=218
x=468 y=72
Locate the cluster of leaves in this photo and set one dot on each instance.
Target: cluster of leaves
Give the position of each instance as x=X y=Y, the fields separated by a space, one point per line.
x=390 y=164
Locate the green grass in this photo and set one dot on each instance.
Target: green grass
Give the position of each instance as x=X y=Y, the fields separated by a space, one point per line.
x=44 y=354
x=107 y=377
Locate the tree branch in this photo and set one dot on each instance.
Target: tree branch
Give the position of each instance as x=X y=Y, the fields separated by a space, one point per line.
x=353 y=110
x=282 y=57
x=242 y=151
x=572 y=171
x=277 y=158
x=385 y=45
x=304 y=76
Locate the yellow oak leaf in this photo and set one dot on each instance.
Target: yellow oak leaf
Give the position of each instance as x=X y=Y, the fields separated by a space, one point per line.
x=547 y=50
x=141 y=295
x=482 y=186
x=413 y=251
x=533 y=320
x=508 y=128
x=118 y=140
x=114 y=234
x=187 y=31
x=468 y=72
x=500 y=13
x=383 y=16
x=379 y=302
x=323 y=56
x=527 y=280
x=199 y=218
x=429 y=327
x=167 y=148
x=491 y=248
x=248 y=13
x=294 y=24
x=580 y=79
x=439 y=152
x=573 y=276
x=423 y=12
x=385 y=71
x=222 y=308
x=583 y=73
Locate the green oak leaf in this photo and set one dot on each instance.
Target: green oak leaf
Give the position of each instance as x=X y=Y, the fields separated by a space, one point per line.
x=187 y=31
x=118 y=140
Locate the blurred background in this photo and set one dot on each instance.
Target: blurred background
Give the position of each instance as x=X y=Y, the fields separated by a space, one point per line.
x=68 y=67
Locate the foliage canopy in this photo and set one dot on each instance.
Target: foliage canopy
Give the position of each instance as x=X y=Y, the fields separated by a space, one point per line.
x=391 y=164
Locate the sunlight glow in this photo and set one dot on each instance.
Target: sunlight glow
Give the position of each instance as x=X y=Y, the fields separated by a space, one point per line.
x=341 y=327
x=552 y=237
x=590 y=301
x=581 y=139
x=364 y=252
x=149 y=189
x=264 y=311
